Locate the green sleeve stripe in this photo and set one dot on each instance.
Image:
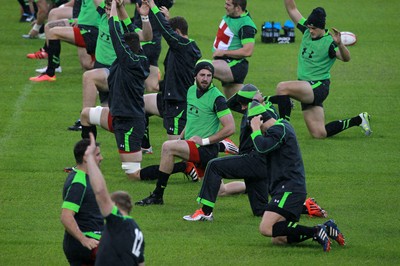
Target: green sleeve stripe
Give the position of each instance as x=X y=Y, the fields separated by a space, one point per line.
x=102 y=4
x=80 y=177
x=155 y=9
x=248 y=40
x=116 y=18
x=302 y=21
x=92 y=235
x=206 y=202
x=255 y=134
x=144 y=43
x=70 y=206
x=223 y=113
x=127 y=21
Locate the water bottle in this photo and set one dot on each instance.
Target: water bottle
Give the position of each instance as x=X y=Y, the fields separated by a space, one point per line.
x=266 y=35
x=288 y=27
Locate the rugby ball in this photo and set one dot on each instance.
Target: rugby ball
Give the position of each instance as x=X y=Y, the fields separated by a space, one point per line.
x=348 y=38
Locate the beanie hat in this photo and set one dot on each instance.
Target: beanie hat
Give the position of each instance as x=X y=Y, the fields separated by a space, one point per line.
x=203 y=64
x=246 y=94
x=317 y=18
x=255 y=108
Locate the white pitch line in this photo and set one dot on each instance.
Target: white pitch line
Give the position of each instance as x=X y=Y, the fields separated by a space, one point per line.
x=16 y=116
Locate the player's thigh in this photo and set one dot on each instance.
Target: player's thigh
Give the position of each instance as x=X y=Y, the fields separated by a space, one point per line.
x=150 y=104
x=60 y=13
x=105 y=119
x=131 y=157
x=222 y=71
x=57 y=23
x=238 y=167
x=62 y=33
x=299 y=90
x=178 y=148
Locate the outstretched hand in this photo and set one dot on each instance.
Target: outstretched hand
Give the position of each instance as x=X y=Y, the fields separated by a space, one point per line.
x=336 y=36
x=165 y=11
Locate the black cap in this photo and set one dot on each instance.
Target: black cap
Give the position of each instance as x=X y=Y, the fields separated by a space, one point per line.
x=203 y=64
x=317 y=18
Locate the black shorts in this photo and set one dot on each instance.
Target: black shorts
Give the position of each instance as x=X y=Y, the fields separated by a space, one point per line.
x=287 y=204
x=75 y=253
x=152 y=50
x=103 y=95
x=129 y=133
x=321 y=92
x=60 y=2
x=207 y=153
x=174 y=117
x=89 y=34
x=239 y=69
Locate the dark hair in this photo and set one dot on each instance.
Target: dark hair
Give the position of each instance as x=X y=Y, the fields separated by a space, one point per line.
x=132 y=40
x=123 y=200
x=80 y=148
x=179 y=23
x=241 y=3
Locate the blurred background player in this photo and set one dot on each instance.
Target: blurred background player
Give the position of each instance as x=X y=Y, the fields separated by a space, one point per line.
x=83 y=35
x=152 y=49
x=233 y=44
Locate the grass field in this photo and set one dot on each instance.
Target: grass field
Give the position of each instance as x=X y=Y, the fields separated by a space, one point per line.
x=355 y=178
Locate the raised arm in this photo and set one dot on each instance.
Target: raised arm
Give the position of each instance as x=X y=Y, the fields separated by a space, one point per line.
x=147 y=32
x=171 y=37
x=342 y=53
x=292 y=10
x=97 y=180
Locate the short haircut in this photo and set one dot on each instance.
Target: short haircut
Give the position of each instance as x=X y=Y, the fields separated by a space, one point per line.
x=179 y=23
x=241 y=3
x=132 y=40
x=123 y=200
x=80 y=149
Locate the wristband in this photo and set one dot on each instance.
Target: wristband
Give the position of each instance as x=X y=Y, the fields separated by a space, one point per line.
x=37 y=27
x=205 y=141
x=145 y=18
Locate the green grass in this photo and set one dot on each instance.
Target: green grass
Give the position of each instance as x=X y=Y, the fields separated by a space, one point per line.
x=354 y=177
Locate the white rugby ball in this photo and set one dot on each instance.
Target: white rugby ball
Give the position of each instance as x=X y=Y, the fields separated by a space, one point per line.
x=348 y=38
